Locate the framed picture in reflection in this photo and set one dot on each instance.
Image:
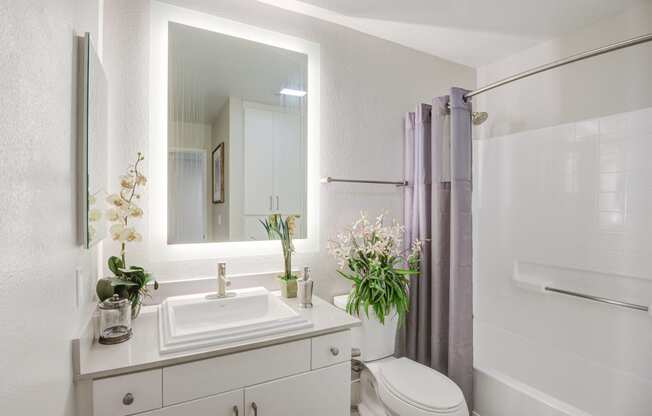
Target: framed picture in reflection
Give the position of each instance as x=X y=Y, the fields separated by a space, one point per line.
x=218 y=174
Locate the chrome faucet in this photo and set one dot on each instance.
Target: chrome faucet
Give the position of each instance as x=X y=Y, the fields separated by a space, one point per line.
x=222 y=281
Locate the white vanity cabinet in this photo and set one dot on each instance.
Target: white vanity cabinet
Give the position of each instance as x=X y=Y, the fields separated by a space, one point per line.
x=324 y=392
x=304 y=377
x=226 y=404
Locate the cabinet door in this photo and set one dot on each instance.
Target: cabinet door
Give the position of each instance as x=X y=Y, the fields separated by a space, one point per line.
x=289 y=161
x=225 y=404
x=258 y=161
x=325 y=392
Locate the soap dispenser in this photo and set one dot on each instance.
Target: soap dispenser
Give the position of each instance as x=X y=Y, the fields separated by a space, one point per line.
x=304 y=287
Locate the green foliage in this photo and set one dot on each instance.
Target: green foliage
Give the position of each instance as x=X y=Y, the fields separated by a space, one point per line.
x=283 y=230
x=379 y=284
x=130 y=283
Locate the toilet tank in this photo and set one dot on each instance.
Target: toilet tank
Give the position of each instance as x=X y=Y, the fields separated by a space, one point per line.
x=374 y=339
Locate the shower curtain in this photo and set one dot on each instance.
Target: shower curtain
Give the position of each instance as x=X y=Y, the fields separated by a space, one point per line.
x=439 y=325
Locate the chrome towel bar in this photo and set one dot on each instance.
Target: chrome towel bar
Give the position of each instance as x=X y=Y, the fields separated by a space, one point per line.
x=598 y=299
x=328 y=179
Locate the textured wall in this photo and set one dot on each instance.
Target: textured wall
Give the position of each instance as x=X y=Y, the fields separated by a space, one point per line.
x=39 y=252
x=126 y=63
x=556 y=189
x=600 y=86
x=367 y=84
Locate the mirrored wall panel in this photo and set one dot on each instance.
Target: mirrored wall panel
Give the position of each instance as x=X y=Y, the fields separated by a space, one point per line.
x=236 y=136
x=93 y=125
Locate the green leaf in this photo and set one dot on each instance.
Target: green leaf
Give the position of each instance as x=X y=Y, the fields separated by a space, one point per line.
x=115 y=264
x=116 y=282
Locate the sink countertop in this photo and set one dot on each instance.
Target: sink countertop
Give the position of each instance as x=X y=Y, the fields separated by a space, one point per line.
x=92 y=360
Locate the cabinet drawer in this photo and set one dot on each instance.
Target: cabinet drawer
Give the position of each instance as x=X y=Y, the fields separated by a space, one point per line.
x=128 y=394
x=216 y=375
x=331 y=349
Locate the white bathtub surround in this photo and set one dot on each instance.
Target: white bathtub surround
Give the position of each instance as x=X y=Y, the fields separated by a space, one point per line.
x=569 y=206
x=568 y=197
x=498 y=394
x=309 y=372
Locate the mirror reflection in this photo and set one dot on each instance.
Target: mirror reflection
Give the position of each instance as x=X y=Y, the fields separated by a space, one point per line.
x=236 y=136
x=93 y=105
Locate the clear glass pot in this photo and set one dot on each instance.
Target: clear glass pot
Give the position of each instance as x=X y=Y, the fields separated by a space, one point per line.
x=115 y=320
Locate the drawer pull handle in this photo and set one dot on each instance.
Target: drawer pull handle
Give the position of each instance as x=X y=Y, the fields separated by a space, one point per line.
x=235 y=411
x=255 y=408
x=335 y=351
x=128 y=399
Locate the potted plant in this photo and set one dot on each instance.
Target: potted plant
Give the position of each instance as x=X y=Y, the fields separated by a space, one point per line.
x=370 y=255
x=130 y=282
x=278 y=228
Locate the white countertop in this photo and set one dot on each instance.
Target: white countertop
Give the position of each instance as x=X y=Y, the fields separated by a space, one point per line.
x=93 y=360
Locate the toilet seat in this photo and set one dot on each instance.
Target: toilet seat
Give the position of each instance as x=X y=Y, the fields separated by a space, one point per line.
x=411 y=389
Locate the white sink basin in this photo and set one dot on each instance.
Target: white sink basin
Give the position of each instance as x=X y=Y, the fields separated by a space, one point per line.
x=196 y=321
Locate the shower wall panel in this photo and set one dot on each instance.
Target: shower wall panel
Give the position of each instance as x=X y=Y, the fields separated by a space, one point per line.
x=574 y=203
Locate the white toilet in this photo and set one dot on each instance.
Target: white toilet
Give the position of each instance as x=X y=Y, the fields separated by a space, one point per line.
x=399 y=386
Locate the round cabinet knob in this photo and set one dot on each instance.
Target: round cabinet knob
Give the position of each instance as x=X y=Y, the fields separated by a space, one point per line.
x=128 y=399
x=335 y=351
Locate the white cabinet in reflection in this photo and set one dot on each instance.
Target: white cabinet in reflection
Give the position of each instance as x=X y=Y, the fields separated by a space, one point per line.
x=274 y=159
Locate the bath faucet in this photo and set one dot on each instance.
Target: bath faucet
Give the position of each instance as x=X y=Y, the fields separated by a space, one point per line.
x=222 y=281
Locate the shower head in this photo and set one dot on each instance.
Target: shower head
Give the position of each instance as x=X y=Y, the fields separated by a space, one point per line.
x=479 y=117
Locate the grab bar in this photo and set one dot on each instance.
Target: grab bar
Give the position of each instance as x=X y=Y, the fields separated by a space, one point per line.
x=599 y=299
x=537 y=285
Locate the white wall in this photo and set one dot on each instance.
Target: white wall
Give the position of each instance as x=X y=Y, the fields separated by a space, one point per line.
x=367 y=84
x=126 y=63
x=39 y=248
x=599 y=86
x=563 y=189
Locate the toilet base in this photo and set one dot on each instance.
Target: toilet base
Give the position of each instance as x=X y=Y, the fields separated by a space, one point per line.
x=369 y=404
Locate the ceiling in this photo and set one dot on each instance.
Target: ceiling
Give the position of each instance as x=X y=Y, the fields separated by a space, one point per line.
x=471 y=32
x=205 y=68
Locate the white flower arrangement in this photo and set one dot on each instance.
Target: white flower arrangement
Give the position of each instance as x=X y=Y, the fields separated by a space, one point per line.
x=123 y=207
x=370 y=255
x=130 y=282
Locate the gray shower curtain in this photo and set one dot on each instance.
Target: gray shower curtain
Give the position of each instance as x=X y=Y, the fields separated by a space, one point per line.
x=439 y=326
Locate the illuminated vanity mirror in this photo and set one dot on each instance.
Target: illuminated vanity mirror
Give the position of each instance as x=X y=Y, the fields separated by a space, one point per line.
x=236 y=136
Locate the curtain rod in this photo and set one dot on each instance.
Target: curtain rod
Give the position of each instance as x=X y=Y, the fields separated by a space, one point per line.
x=569 y=60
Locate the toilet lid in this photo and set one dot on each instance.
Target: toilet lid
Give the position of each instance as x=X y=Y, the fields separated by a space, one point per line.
x=420 y=386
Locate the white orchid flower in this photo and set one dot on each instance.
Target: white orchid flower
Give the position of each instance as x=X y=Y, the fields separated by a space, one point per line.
x=141 y=180
x=94 y=215
x=129 y=234
x=112 y=214
x=127 y=181
x=135 y=211
x=117 y=232
x=116 y=200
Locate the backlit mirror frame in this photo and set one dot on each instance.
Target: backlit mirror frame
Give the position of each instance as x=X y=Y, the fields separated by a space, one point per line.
x=159 y=249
